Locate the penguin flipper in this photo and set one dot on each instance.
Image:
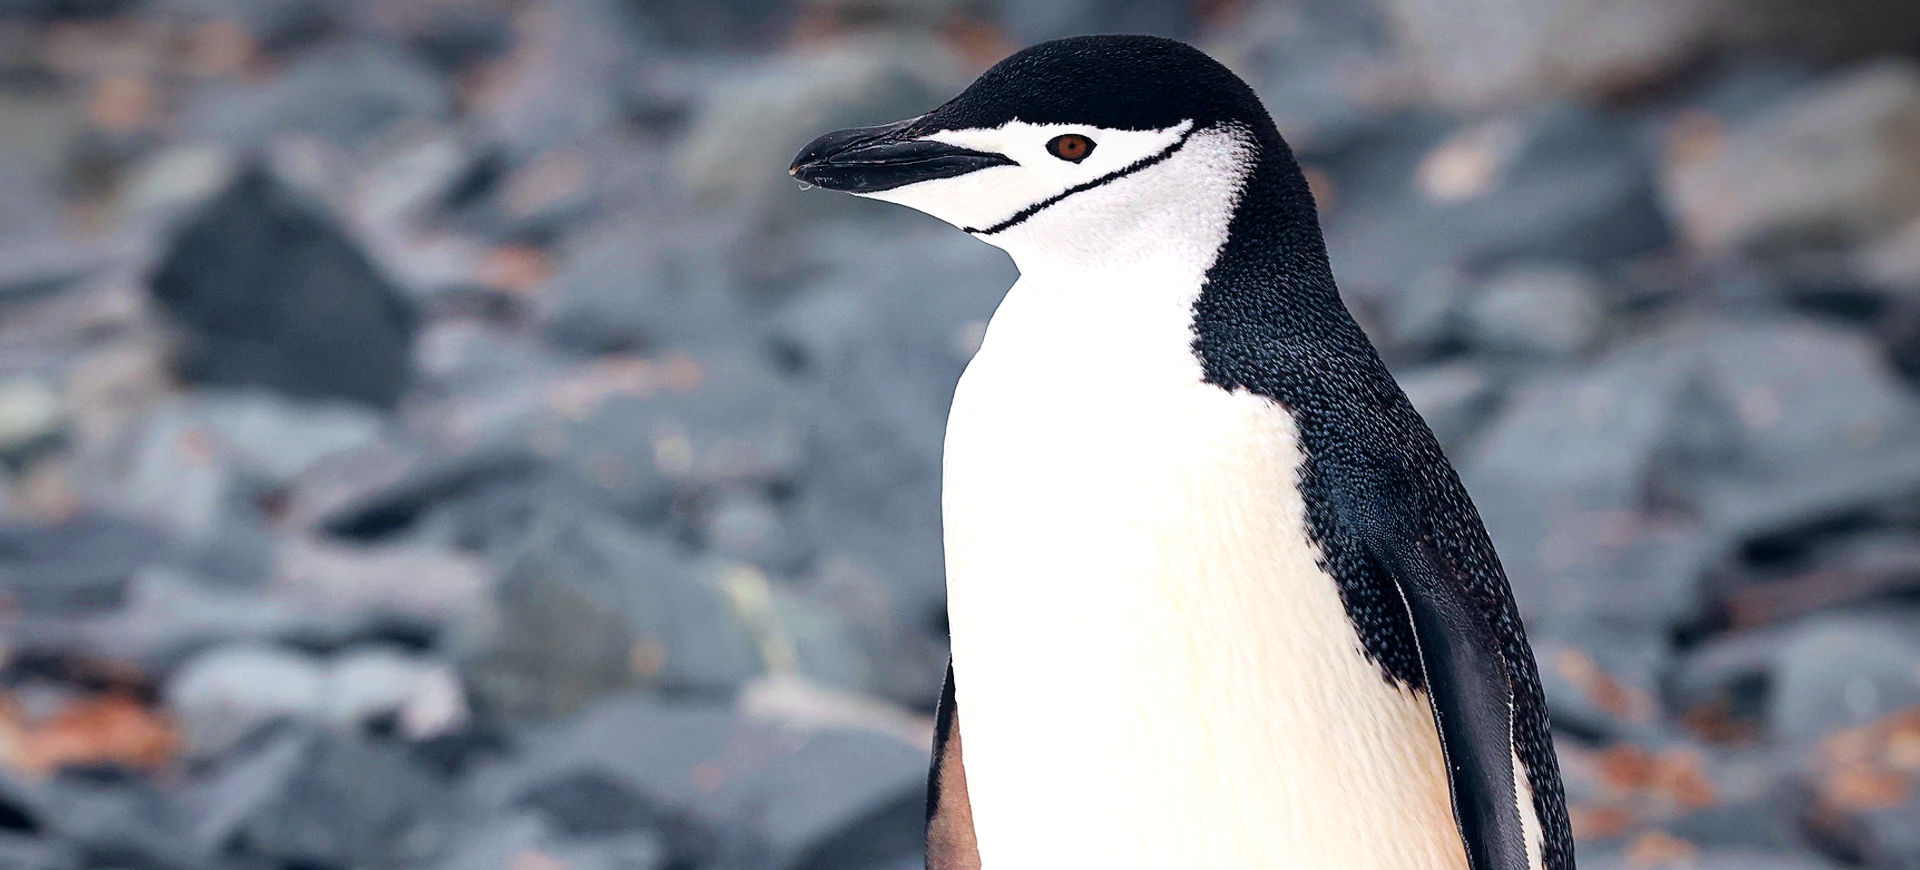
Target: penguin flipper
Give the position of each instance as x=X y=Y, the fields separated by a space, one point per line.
x=1468 y=685
x=950 y=842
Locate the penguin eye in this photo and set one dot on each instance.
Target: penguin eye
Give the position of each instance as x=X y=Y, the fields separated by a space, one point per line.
x=1071 y=147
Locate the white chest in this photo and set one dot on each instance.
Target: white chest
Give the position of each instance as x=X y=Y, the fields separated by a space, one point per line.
x=1152 y=670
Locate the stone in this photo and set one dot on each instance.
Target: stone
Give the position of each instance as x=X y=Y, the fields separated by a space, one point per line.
x=525 y=838
x=266 y=286
x=309 y=797
x=1838 y=672
x=226 y=694
x=1028 y=23
x=768 y=112
x=767 y=793
x=1840 y=159
x=168 y=615
x=593 y=606
x=344 y=92
x=641 y=287
x=118 y=820
x=1503 y=51
x=365 y=686
x=30 y=416
x=79 y=565
x=1543 y=310
x=1557 y=183
x=355 y=589
x=1634 y=468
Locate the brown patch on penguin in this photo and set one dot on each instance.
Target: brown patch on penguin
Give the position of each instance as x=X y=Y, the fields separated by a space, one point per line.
x=950 y=840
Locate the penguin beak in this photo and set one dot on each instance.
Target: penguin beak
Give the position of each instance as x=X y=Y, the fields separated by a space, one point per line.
x=873 y=159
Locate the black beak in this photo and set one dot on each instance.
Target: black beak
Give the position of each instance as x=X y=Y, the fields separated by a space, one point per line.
x=873 y=159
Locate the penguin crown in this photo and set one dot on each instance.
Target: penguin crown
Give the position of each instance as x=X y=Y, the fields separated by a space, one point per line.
x=1068 y=134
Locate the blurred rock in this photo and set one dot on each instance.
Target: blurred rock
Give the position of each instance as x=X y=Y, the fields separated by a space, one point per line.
x=1556 y=184
x=764 y=116
x=1327 y=70
x=1840 y=162
x=1504 y=51
x=366 y=686
x=313 y=798
x=1539 y=310
x=1491 y=51
x=344 y=92
x=1028 y=23
x=770 y=795
x=30 y=417
x=641 y=287
x=226 y=694
x=272 y=294
x=1838 y=672
x=524 y=838
x=593 y=606
x=1622 y=471
x=116 y=821
x=363 y=588
x=78 y=565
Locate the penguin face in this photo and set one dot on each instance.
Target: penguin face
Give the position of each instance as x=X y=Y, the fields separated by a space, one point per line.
x=1069 y=129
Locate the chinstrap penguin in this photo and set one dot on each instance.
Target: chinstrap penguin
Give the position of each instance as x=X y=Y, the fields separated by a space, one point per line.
x=1217 y=600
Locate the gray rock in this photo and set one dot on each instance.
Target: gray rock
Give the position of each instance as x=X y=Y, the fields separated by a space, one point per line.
x=1603 y=682
x=357 y=589
x=30 y=416
x=168 y=615
x=79 y=565
x=1560 y=183
x=1328 y=71
x=315 y=798
x=1490 y=51
x=571 y=59
x=1561 y=478
x=772 y=794
x=344 y=92
x=523 y=836
x=33 y=853
x=121 y=822
x=765 y=115
x=1540 y=310
x=1838 y=672
x=1840 y=160
x=1028 y=23
x=1617 y=475
x=365 y=686
x=642 y=287
x=266 y=287
x=226 y=694
x=594 y=606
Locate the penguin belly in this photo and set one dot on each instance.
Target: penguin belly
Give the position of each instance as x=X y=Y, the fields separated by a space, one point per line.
x=1152 y=670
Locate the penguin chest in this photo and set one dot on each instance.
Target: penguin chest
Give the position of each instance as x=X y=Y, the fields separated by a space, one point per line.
x=1152 y=670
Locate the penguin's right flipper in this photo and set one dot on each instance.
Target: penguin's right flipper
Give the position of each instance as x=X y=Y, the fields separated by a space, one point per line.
x=1467 y=682
x=950 y=843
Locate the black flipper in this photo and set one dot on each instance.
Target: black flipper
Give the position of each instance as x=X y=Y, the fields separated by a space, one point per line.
x=950 y=843
x=1467 y=682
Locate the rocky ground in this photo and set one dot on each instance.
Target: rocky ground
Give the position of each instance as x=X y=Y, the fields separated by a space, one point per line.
x=438 y=435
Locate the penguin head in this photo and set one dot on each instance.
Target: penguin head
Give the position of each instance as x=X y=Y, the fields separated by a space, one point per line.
x=1086 y=137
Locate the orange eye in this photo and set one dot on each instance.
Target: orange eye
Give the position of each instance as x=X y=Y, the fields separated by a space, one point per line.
x=1072 y=147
